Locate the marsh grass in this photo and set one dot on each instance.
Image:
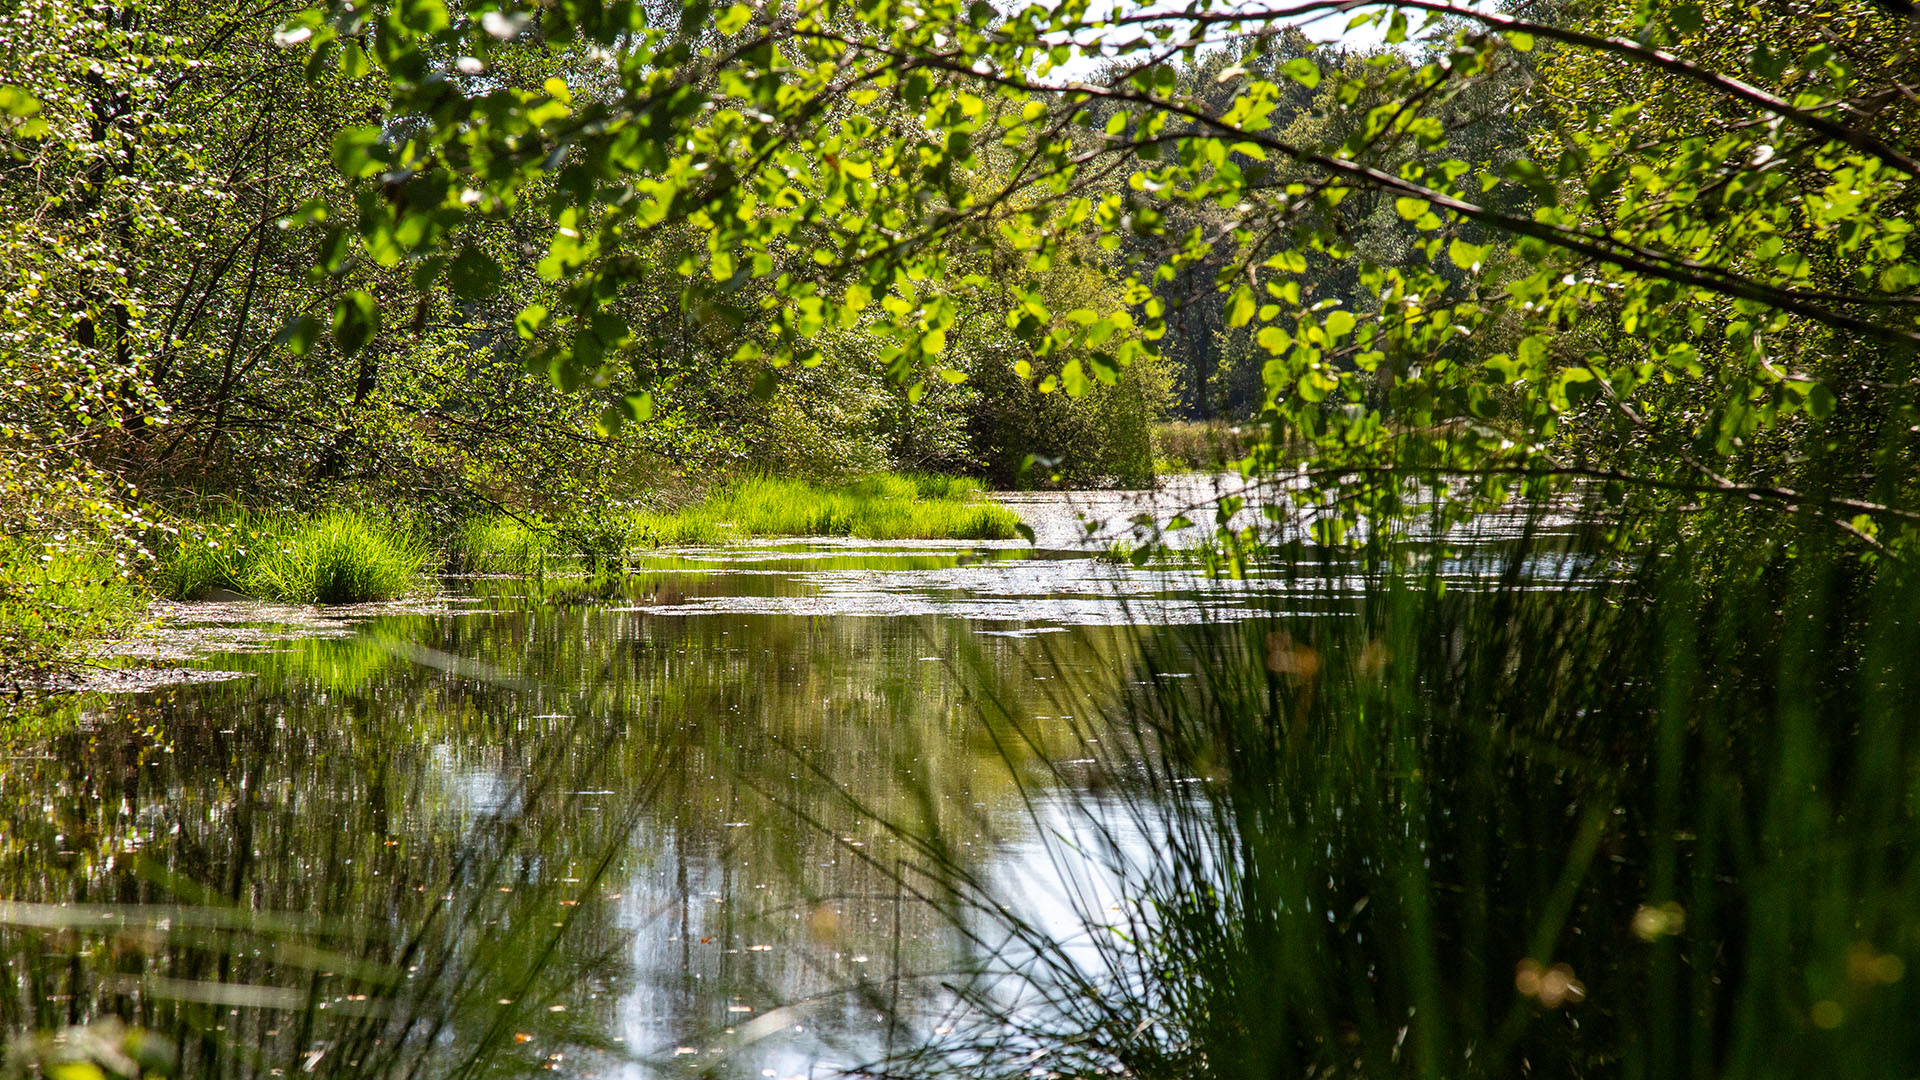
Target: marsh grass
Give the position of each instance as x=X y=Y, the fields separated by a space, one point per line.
x=503 y=543
x=1407 y=824
x=884 y=507
x=879 y=507
x=1200 y=445
x=339 y=557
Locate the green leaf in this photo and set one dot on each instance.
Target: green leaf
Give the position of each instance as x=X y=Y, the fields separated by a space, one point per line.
x=15 y=101
x=1301 y=70
x=353 y=61
x=23 y=112
x=336 y=245
x=610 y=328
x=765 y=382
x=1820 y=401
x=1339 y=324
x=1533 y=357
x=473 y=274
x=1520 y=40
x=357 y=151
x=1241 y=306
x=1074 y=378
x=1274 y=339
x=529 y=321
x=1466 y=256
x=1533 y=177
x=356 y=318
x=1410 y=209
x=299 y=334
x=733 y=19
x=311 y=212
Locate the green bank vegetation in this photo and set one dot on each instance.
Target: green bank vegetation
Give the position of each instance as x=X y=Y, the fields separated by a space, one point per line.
x=880 y=507
x=67 y=592
x=1200 y=445
x=54 y=593
x=915 y=507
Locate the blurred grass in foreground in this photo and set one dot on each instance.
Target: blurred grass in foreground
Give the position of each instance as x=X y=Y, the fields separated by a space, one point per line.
x=1657 y=824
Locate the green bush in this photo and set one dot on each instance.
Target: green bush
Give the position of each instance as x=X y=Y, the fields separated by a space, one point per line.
x=1103 y=438
x=54 y=594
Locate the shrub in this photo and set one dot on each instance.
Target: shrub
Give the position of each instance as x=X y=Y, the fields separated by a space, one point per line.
x=53 y=594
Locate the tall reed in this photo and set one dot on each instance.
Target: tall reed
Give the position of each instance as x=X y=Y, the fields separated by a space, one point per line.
x=1489 y=822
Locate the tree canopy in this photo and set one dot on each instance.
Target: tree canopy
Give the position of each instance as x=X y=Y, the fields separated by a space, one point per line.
x=539 y=257
x=1506 y=249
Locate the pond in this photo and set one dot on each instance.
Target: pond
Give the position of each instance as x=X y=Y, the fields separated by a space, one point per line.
x=702 y=817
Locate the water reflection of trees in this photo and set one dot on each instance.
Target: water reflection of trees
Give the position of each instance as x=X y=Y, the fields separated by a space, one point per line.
x=372 y=843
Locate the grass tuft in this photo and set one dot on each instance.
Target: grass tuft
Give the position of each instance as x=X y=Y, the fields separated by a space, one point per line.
x=337 y=558
x=341 y=558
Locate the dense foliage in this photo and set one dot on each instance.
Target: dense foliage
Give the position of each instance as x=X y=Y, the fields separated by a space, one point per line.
x=600 y=273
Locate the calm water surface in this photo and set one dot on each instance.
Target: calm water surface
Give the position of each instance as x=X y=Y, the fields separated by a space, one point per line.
x=655 y=826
